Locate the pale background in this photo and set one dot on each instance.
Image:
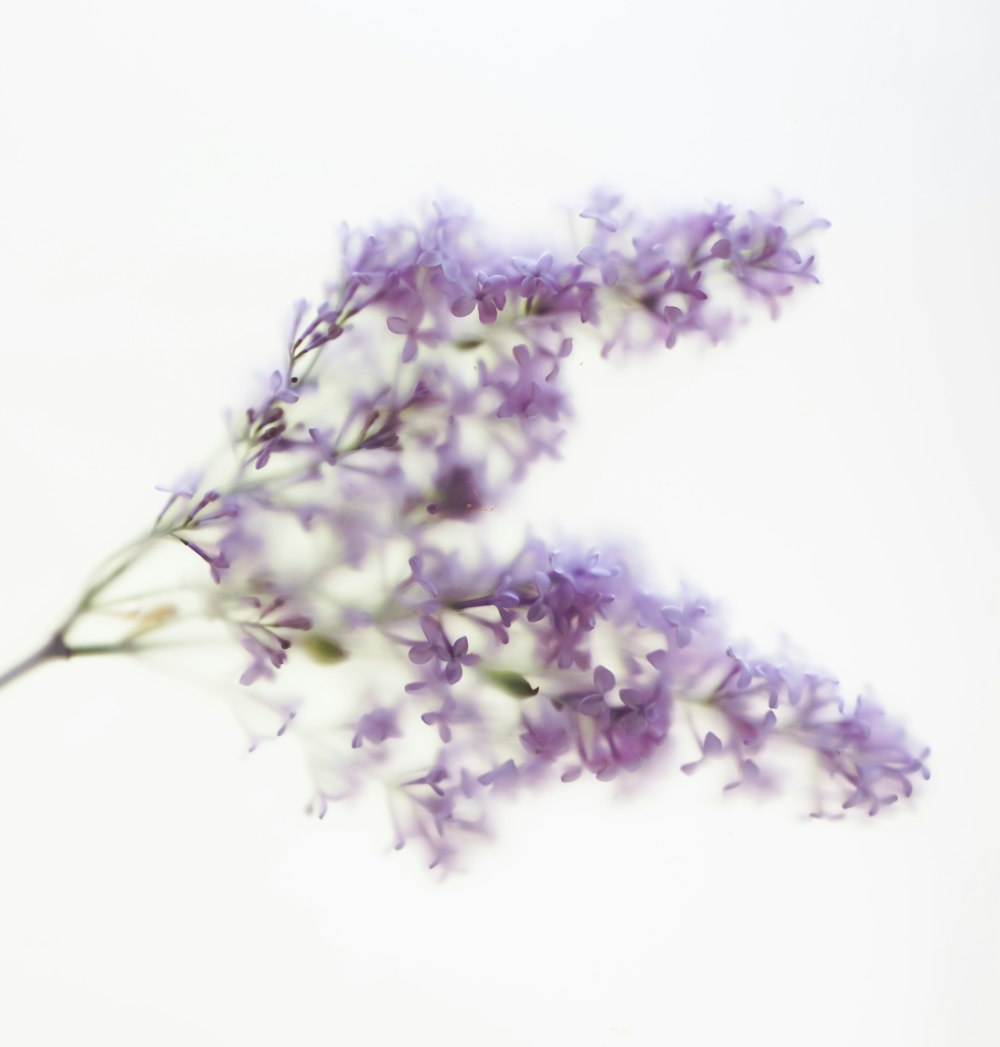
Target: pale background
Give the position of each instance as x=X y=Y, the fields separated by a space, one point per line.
x=171 y=179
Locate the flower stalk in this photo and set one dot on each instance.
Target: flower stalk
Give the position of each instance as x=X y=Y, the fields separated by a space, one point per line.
x=55 y=648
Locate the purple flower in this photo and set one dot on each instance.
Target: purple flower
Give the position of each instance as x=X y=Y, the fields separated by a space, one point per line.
x=592 y=703
x=600 y=210
x=436 y=648
x=683 y=620
x=570 y=599
x=217 y=562
x=488 y=296
x=645 y=708
x=608 y=261
x=437 y=247
x=280 y=388
x=409 y=325
x=449 y=714
x=376 y=727
x=265 y=660
x=545 y=740
x=502 y=777
x=530 y=391
x=711 y=745
x=537 y=277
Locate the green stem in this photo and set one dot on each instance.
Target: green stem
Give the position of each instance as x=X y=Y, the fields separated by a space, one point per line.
x=130 y=554
x=55 y=648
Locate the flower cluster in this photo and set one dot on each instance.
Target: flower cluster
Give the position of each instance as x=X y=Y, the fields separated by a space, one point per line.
x=558 y=665
x=337 y=531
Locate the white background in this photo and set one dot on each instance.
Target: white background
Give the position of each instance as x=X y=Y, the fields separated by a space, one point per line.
x=171 y=179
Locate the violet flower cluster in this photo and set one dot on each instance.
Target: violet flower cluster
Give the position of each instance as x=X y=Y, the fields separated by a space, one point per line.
x=340 y=531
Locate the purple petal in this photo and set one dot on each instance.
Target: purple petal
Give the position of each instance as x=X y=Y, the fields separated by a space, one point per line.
x=659 y=660
x=592 y=705
x=712 y=744
x=633 y=723
x=604 y=679
x=591 y=255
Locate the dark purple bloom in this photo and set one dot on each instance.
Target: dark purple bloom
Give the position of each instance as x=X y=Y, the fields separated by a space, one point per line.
x=457 y=492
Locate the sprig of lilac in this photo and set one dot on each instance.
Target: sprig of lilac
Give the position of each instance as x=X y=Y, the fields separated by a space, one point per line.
x=407 y=402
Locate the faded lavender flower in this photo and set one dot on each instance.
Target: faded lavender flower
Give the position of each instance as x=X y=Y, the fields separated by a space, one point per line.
x=337 y=534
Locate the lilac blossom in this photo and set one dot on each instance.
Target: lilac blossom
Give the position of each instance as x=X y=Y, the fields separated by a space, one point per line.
x=409 y=326
x=488 y=296
x=536 y=276
x=334 y=534
x=376 y=727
